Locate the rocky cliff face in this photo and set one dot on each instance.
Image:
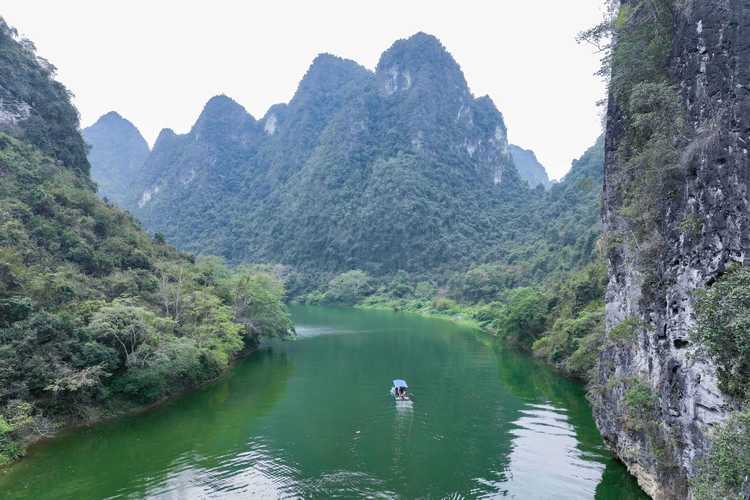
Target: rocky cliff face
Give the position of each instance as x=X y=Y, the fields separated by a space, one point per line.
x=704 y=227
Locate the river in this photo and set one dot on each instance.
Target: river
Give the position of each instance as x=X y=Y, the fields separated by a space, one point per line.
x=312 y=418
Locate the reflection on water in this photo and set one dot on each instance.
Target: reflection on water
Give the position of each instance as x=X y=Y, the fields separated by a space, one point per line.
x=312 y=418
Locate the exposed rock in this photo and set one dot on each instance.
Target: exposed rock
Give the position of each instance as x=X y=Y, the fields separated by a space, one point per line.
x=710 y=62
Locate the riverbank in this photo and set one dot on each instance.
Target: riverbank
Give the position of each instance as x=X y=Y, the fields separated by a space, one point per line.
x=275 y=428
x=462 y=318
x=111 y=410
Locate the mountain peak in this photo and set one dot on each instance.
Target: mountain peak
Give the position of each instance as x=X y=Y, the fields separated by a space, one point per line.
x=117 y=153
x=418 y=61
x=114 y=121
x=112 y=115
x=165 y=135
x=222 y=116
x=222 y=105
x=328 y=73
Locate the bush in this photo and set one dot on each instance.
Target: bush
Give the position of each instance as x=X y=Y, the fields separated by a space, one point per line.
x=9 y=449
x=625 y=332
x=640 y=404
x=444 y=304
x=722 y=329
x=725 y=471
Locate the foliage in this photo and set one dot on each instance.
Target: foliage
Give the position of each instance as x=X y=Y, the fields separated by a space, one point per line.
x=576 y=321
x=625 y=332
x=348 y=288
x=521 y=318
x=649 y=153
x=44 y=116
x=725 y=471
x=96 y=314
x=691 y=225
x=640 y=404
x=723 y=329
x=8 y=448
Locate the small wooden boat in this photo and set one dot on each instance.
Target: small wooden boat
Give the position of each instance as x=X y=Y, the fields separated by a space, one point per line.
x=400 y=391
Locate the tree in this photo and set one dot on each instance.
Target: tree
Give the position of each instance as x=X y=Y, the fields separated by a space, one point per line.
x=348 y=288
x=522 y=318
x=125 y=328
x=257 y=299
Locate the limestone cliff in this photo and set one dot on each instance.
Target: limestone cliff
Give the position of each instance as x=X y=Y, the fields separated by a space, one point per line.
x=701 y=226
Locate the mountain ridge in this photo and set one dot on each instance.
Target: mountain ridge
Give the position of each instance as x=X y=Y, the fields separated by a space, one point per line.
x=345 y=130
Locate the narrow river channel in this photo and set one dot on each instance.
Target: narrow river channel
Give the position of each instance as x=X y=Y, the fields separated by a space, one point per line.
x=312 y=418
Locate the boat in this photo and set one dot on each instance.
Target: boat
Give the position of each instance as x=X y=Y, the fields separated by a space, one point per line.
x=400 y=391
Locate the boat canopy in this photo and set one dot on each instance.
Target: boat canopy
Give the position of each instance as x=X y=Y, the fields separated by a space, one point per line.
x=399 y=383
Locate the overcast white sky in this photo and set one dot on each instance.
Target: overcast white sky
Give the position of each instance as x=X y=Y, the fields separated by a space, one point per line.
x=158 y=62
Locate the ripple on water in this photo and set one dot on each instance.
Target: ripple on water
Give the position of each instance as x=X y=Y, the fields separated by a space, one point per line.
x=546 y=451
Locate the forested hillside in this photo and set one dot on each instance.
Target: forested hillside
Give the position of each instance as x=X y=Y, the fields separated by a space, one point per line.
x=96 y=317
x=397 y=169
x=545 y=295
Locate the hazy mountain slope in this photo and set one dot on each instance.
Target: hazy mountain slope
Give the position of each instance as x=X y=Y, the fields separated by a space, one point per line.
x=529 y=167
x=117 y=152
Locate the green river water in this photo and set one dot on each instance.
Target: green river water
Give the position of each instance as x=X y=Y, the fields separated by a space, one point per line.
x=312 y=418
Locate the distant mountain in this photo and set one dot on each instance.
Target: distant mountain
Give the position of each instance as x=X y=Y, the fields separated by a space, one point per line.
x=396 y=169
x=529 y=167
x=400 y=168
x=117 y=152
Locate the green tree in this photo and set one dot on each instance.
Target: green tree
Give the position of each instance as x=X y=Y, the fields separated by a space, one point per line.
x=522 y=317
x=257 y=301
x=348 y=288
x=125 y=328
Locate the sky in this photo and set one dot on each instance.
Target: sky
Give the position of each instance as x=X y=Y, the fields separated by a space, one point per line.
x=158 y=62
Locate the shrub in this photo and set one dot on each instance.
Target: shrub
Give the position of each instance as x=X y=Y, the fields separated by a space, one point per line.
x=625 y=332
x=722 y=329
x=725 y=471
x=444 y=304
x=640 y=404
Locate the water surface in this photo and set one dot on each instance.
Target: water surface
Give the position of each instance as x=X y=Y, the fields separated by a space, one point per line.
x=312 y=418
